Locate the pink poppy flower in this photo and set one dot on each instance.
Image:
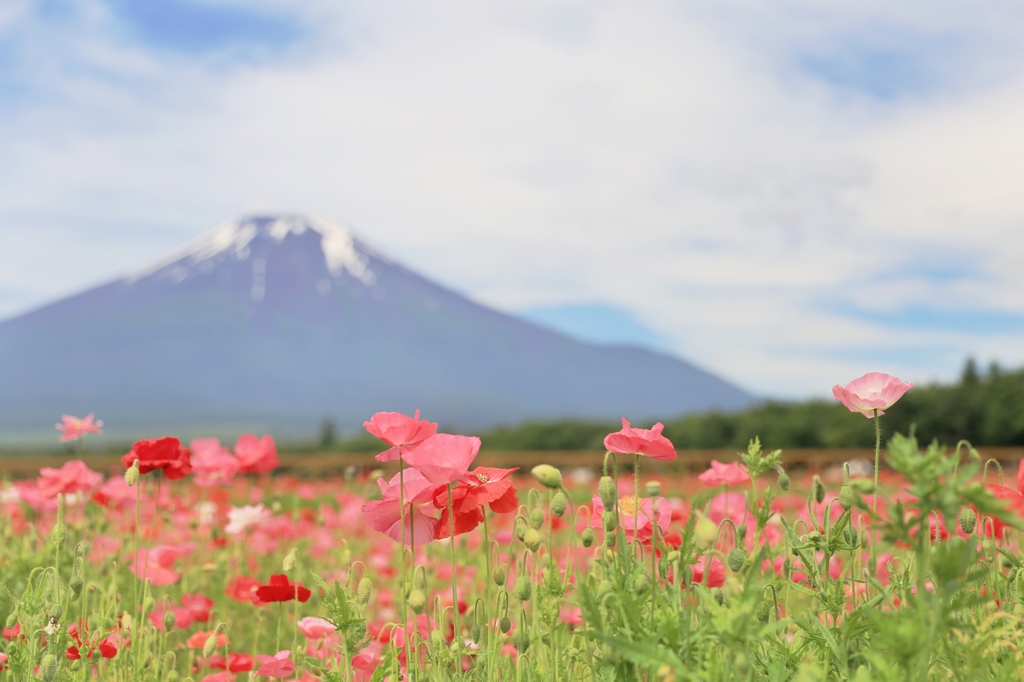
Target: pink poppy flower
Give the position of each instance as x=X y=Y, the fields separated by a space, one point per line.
x=73 y=477
x=443 y=458
x=73 y=428
x=385 y=515
x=155 y=564
x=732 y=473
x=647 y=442
x=716 y=574
x=256 y=455
x=279 y=665
x=315 y=628
x=399 y=431
x=873 y=391
x=212 y=464
x=633 y=517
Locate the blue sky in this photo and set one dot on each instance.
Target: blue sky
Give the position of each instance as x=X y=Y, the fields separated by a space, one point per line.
x=789 y=194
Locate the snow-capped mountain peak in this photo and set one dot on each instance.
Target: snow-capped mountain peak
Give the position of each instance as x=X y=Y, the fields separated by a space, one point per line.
x=237 y=240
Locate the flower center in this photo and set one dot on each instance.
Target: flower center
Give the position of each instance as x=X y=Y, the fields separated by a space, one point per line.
x=628 y=505
x=483 y=478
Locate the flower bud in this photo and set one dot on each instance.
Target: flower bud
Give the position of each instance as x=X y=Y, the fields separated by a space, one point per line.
x=522 y=640
x=610 y=521
x=476 y=633
x=220 y=629
x=784 y=481
x=76 y=584
x=846 y=473
x=58 y=611
x=505 y=624
x=587 y=537
x=741 y=532
x=818 y=490
x=524 y=588
x=607 y=492
x=417 y=601
x=131 y=475
x=210 y=646
x=498 y=575
x=363 y=591
x=48 y=668
x=846 y=498
x=532 y=540
x=763 y=612
x=558 y=504
x=737 y=560
x=521 y=529
x=12 y=619
x=653 y=488
x=609 y=541
x=662 y=568
x=719 y=597
x=127 y=622
x=547 y=475
x=537 y=518
x=968 y=519
x=169 y=620
x=437 y=639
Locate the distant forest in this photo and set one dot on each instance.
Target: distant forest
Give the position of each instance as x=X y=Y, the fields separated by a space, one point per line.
x=983 y=408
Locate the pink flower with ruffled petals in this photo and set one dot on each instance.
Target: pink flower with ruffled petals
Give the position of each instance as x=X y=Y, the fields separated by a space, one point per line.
x=73 y=428
x=732 y=473
x=443 y=458
x=279 y=665
x=399 y=431
x=315 y=628
x=871 y=392
x=155 y=564
x=256 y=455
x=647 y=442
x=385 y=515
x=212 y=463
x=73 y=477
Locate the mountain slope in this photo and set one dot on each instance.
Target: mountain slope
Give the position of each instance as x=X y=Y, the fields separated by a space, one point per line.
x=279 y=322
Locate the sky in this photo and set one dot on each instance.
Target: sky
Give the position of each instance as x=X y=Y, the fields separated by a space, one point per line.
x=788 y=194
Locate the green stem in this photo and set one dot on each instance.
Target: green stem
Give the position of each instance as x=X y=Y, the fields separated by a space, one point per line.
x=874 y=496
x=455 y=594
x=636 y=496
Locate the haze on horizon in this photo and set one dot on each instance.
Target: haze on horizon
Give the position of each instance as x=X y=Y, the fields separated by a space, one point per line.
x=788 y=196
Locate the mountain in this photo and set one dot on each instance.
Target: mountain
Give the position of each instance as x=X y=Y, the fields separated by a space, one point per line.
x=279 y=322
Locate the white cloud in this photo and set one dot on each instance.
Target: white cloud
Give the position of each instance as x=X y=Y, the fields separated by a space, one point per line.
x=676 y=162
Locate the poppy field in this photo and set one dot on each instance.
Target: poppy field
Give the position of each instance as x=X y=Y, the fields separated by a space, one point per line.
x=196 y=562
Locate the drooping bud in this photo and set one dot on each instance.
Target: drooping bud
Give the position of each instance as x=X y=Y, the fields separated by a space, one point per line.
x=363 y=591
x=607 y=492
x=741 y=532
x=587 y=537
x=532 y=540
x=210 y=646
x=521 y=529
x=476 y=633
x=537 y=518
x=818 y=489
x=48 y=668
x=522 y=640
x=76 y=584
x=784 y=481
x=609 y=542
x=498 y=575
x=169 y=620
x=763 y=612
x=505 y=624
x=548 y=476
x=737 y=560
x=220 y=629
x=846 y=497
x=610 y=521
x=968 y=519
x=653 y=488
x=58 y=611
x=719 y=597
x=417 y=601
x=524 y=588
x=559 y=504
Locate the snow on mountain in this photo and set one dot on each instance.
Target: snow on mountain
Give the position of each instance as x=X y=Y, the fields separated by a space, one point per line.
x=278 y=322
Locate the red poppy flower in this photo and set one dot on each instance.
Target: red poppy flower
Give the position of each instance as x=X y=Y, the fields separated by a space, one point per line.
x=86 y=645
x=167 y=454
x=483 y=485
x=280 y=589
x=236 y=663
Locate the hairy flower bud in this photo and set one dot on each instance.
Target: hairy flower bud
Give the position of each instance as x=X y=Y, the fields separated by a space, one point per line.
x=587 y=537
x=532 y=540
x=521 y=529
x=719 y=597
x=653 y=488
x=363 y=591
x=537 y=518
x=505 y=624
x=476 y=633
x=48 y=668
x=131 y=475
x=559 y=504
x=818 y=489
x=524 y=588
x=498 y=575
x=610 y=521
x=846 y=497
x=606 y=491
x=417 y=601
x=784 y=481
x=58 y=611
x=737 y=560
x=968 y=519
x=741 y=532
x=12 y=619
x=547 y=475
x=169 y=620
x=522 y=640
x=289 y=561
x=763 y=612
x=609 y=541
x=76 y=584
x=210 y=646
